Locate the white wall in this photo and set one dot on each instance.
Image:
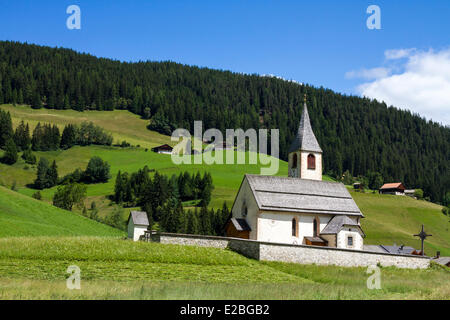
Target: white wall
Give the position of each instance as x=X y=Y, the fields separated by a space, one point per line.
x=245 y=195
x=358 y=241
x=135 y=231
x=308 y=173
x=277 y=226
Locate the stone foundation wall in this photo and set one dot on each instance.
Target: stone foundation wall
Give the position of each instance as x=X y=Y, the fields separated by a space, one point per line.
x=302 y=254
x=338 y=257
x=191 y=240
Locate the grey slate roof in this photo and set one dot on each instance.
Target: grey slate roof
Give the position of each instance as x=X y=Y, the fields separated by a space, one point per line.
x=374 y=248
x=139 y=218
x=302 y=195
x=337 y=223
x=442 y=260
x=398 y=249
x=305 y=138
x=240 y=224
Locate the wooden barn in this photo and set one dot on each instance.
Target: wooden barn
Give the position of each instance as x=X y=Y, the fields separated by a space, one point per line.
x=395 y=188
x=164 y=149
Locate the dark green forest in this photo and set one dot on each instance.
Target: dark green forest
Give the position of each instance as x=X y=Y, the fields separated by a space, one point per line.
x=356 y=134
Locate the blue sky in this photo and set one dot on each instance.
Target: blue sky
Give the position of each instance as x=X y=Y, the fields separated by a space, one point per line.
x=324 y=43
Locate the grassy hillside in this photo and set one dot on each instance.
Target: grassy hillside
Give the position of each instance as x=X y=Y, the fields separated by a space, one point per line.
x=23 y=216
x=388 y=219
x=394 y=219
x=33 y=268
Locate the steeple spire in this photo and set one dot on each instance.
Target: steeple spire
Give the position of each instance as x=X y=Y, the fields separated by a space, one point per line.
x=305 y=139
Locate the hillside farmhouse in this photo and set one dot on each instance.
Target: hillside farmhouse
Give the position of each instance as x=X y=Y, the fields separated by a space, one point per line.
x=300 y=208
x=396 y=188
x=163 y=149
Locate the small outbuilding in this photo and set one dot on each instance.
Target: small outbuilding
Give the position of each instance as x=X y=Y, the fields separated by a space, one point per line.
x=164 y=149
x=396 y=188
x=137 y=224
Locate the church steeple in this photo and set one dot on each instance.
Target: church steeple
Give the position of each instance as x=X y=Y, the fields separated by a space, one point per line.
x=305 y=154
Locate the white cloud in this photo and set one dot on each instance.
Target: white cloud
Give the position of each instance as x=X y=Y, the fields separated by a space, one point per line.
x=398 y=53
x=422 y=85
x=368 y=74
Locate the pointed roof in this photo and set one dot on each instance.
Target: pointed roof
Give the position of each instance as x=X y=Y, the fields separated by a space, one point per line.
x=305 y=138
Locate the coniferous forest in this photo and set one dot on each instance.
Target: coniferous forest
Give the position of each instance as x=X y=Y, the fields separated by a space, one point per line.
x=356 y=134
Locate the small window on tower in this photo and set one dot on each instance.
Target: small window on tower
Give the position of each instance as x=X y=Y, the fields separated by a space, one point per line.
x=350 y=241
x=294 y=161
x=311 y=162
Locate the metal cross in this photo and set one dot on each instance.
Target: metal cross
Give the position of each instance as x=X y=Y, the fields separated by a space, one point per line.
x=422 y=235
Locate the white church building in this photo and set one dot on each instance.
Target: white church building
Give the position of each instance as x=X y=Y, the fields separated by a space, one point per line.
x=300 y=208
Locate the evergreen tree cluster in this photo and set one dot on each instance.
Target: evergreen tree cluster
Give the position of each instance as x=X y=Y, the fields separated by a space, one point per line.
x=45 y=137
x=356 y=134
x=139 y=189
x=97 y=171
x=47 y=175
x=202 y=221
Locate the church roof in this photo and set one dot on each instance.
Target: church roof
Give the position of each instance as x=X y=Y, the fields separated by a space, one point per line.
x=337 y=223
x=305 y=138
x=302 y=195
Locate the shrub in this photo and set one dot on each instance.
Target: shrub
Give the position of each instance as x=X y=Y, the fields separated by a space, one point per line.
x=418 y=193
x=37 y=195
x=69 y=195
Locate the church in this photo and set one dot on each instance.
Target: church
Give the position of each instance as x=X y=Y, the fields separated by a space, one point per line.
x=300 y=208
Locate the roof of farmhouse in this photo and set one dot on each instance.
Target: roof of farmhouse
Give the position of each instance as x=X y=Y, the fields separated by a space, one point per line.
x=302 y=195
x=305 y=138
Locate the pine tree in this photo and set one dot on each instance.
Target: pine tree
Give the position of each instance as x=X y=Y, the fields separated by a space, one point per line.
x=10 y=157
x=6 y=130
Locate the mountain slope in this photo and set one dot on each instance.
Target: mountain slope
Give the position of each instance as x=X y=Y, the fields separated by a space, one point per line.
x=24 y=216
x=356 y=134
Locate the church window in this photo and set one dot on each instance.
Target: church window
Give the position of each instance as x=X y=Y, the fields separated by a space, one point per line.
x=311 y=162
x=316 y=225
x=294 y=227
x=294 y=161
x=350 y=241
x=244 y=211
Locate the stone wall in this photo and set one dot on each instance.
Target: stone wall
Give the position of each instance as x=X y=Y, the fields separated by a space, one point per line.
x=302 y=254
x=191 y=240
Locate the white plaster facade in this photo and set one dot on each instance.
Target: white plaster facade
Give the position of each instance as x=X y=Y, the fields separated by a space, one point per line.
x=301 y=169
x=135 y=231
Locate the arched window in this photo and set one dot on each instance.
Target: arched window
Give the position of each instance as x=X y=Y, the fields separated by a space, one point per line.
x=316 y=226
x=294 y=227
x=311 y=162
x=294 y=161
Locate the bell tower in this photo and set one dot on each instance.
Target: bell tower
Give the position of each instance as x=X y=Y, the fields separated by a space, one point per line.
x=305 y=154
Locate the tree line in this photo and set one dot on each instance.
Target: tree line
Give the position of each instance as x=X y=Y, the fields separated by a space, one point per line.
x=356 y=134
x=46 y=137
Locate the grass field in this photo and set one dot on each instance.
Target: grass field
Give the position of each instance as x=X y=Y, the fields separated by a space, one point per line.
x=23 y=216
x=35 y=268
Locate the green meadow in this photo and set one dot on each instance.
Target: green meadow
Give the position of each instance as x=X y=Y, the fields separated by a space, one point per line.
x=35 y=268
